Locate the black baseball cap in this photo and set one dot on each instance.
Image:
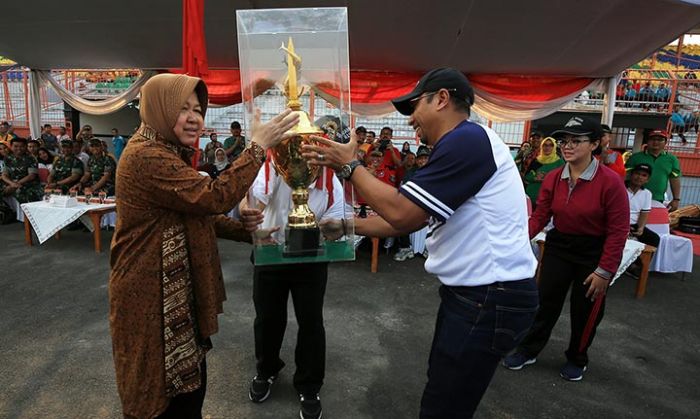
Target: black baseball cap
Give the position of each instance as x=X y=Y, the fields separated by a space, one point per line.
x=642 y=167
x=606 y=129
x=580 y=126
x=441 y=78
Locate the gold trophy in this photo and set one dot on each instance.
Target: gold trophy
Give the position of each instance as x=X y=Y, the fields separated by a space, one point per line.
x=302 y=235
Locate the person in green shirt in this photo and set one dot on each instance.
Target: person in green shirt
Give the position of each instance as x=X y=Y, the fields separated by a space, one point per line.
x=234 y=144
x=100 y=170
x=20 y=175
x=67 y=169
x=665 y=168
x=546 y=161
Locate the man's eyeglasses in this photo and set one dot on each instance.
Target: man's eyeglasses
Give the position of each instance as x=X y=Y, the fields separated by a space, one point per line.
x=415 y=100
x=573 y=142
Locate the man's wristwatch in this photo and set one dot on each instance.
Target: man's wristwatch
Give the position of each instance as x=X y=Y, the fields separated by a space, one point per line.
x=346 y=170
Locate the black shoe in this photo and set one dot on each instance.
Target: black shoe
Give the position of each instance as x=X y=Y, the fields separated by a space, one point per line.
x=310 y=407
x=260 y=388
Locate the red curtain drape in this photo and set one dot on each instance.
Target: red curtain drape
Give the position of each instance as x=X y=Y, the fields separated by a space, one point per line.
x=528 y=88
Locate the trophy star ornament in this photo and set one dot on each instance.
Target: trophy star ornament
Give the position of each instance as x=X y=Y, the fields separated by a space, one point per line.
x=302 y=233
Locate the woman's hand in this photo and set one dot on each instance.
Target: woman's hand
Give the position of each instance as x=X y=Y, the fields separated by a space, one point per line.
x=597 y=286
x=251 y=218
x=264 y=236
x=271 y=133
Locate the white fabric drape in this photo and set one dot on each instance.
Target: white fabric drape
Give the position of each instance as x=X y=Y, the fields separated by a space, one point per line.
x=34 y=105
x=498 y=109
x=360 y=109
x=94 y=107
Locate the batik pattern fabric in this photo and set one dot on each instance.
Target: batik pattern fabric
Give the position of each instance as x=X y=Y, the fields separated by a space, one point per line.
x=183 y=353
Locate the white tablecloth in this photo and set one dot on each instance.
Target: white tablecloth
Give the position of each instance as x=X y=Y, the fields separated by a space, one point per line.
x=14 y=204
x=47 y=219
x=674 y=254
x=632 y=251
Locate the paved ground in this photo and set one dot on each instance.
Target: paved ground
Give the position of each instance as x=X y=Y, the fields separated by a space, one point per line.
x=55 y=354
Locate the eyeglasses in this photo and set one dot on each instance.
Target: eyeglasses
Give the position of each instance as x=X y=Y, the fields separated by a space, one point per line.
x=415 y=100
x=574 y=142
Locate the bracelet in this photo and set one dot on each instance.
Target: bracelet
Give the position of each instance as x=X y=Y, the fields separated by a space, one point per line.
x=675 y=199
x=257 y=152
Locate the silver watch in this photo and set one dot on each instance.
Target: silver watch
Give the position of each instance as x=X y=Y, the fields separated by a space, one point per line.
x=346 y=170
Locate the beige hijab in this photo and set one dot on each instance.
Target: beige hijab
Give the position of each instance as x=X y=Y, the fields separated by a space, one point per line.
x=162 y=98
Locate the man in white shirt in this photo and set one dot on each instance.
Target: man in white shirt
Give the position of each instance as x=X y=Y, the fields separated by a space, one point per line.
x=306 y=282
x=471 y=196
x=640 y=204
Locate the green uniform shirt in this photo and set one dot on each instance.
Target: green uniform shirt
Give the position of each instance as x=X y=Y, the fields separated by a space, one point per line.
x=100 y=166
x=65 y=167
x=20 y=167
x=663 y=167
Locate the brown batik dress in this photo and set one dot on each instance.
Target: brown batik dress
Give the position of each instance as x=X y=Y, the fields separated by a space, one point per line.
x=166 y=288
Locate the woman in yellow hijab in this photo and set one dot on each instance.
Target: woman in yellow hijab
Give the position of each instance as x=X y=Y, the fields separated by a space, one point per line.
x=546 y=161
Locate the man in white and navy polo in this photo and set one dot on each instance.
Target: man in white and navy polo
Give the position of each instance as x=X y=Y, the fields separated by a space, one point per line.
x=471 y=196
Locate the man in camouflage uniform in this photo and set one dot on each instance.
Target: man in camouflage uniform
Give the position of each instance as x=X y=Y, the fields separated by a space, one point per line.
x=99 y=174
x=67 y=169
x=20 y=177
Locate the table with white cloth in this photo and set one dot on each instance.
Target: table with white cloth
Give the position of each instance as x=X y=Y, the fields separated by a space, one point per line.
x=13 y=203
x=674 y=254
x=633 y=250
x=47 y=220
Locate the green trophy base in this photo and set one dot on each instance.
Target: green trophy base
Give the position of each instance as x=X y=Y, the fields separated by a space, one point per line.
x=273 y=254
x=301 y=242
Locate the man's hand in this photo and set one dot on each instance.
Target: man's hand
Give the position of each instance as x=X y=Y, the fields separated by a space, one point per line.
x=333 y=229
x=673 y=205
x=329 y=153
x=597 y=286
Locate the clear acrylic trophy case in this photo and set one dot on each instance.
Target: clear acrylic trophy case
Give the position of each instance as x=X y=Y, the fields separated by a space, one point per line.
x=288 y=56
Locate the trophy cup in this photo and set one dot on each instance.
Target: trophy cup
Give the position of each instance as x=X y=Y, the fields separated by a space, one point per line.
x=290 y=232
x=302 y=234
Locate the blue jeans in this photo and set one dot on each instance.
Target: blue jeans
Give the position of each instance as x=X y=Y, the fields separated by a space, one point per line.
x=476 y=327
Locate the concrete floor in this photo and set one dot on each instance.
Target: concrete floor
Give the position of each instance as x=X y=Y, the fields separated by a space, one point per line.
x=55 y=351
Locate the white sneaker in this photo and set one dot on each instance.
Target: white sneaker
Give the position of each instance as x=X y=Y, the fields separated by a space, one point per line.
x=403 y=254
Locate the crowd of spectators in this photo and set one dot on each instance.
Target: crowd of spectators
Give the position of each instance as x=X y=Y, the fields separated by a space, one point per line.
x=31 y=168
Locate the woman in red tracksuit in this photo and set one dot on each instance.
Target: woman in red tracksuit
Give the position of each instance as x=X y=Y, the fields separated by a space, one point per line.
x=591 y=215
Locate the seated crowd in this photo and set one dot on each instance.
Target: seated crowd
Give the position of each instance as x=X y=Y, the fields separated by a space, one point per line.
x=29 y=167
